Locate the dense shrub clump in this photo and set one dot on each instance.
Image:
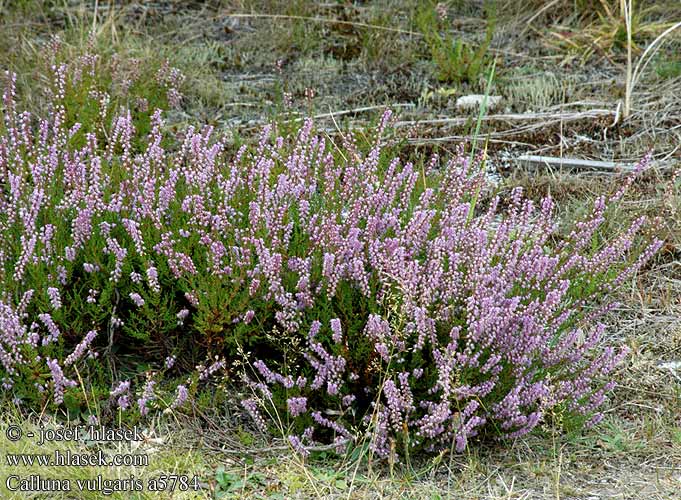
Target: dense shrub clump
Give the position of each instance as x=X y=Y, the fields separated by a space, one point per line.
x=357 y=295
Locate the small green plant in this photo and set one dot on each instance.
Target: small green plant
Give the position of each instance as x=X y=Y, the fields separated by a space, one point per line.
x=676 y=436
x=669 y=69
x=231 y=485
x=456 y=61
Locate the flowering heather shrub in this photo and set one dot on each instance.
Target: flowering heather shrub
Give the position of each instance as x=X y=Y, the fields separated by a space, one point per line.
x=368 y=296
x=94 y=86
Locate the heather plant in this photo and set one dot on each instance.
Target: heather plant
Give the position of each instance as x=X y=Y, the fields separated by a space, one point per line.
x=94 y=85
x=474 y=325
x=357 y=296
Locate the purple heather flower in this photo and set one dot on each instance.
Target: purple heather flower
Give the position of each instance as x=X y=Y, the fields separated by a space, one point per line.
x=122 y=388
x=90 y=268
x=147 y=397
x=251 y=407
x=181 y=398
x=181 y=316
x=248 y=317
x=137 y=299
x=52 y=328
x=59 y=380
x=298 y=446
x=81 y=348
x=296 y=406
x=336 y=329
x=152 y=279
x=55 y=299
x=192 y=298
x=212 y=369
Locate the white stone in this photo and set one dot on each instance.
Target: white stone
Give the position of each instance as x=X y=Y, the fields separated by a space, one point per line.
x=670 y=365
x=475 y=101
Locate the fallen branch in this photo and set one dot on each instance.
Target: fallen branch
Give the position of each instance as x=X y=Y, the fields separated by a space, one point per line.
x=513 y=117
x=361 y=110
x=573 y=163
x=422 y=141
